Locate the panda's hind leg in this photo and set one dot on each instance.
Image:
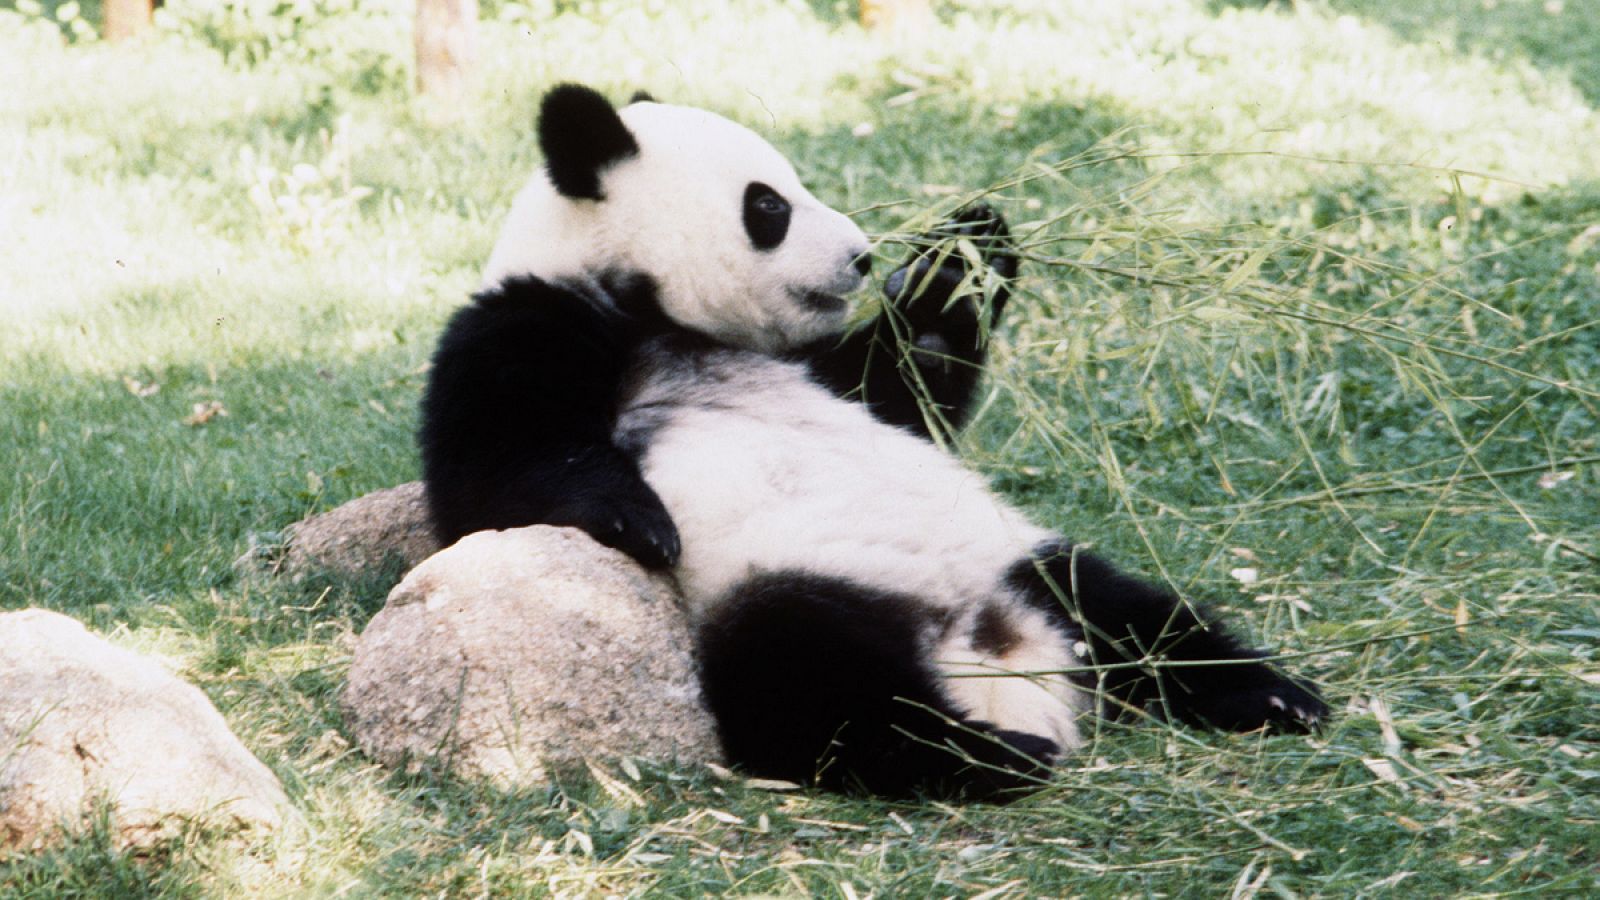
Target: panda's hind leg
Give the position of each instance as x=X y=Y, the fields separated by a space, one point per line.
x=1155 y=652
x=820 y=680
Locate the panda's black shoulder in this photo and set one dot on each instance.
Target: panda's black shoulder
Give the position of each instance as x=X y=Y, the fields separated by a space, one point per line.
x=522 y=336
x=520 y=301
x=523 y=315
x=622 y=301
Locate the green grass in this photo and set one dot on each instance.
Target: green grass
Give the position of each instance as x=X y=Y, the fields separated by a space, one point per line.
x=1312 y=291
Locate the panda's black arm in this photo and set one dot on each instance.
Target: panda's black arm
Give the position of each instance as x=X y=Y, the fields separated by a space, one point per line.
x=900 y=382
x=917 y=363
x=517 y=421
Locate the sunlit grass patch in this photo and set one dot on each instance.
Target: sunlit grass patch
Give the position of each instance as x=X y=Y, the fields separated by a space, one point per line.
x=1553 y=35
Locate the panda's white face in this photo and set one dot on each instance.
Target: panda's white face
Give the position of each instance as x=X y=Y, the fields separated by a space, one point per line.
x=738 y=248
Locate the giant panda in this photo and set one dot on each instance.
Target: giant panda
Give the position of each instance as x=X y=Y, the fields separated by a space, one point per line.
x=661 y=356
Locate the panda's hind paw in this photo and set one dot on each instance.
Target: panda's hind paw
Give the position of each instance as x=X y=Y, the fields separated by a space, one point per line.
x=1296 y=707
x=1277 y=703
x=1003 y=764
x=1037 y=750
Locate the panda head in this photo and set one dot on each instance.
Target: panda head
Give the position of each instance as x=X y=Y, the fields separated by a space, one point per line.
x=713 y=215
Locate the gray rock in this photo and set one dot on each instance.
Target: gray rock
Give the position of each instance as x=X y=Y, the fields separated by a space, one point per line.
x=84 y=722
x=515 y=652
x=360 y=538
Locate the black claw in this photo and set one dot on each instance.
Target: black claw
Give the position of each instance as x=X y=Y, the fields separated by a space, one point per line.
x=633 y=522
x=1273 y=701
x=923 y=286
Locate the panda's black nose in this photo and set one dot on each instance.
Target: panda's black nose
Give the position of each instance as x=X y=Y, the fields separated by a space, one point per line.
x=863 y=263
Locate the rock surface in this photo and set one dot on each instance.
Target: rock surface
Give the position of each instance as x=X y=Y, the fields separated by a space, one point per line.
x=83 y=721
x=359 y=538
x=516 y=651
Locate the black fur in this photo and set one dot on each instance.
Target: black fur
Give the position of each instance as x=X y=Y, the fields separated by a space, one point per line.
x=634 y=295
x=822 y=681
x=863 y=264
x=1159 y=653
x=766 y=216
x=581 y=135
x=993 y=632
x=517 y=420
x=917 y=364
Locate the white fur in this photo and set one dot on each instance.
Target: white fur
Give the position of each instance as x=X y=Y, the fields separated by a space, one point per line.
x=1020 y=689
x=675 y=211
x=764 y=471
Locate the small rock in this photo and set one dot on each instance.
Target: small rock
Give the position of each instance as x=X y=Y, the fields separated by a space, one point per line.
x=356 y=539
x=83 y=721
x=512 y=652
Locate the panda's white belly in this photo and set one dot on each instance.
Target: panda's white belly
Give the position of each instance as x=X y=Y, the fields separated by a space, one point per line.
x=763 y=471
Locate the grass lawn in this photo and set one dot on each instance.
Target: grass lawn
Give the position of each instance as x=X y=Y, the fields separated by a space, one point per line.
x=1310 y=327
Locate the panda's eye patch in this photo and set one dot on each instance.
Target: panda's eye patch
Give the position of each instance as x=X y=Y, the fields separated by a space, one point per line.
x=766 y=216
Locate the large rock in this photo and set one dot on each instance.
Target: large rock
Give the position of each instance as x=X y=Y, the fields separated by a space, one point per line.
x=84 y=722
x=512 y=652
x=363 y=537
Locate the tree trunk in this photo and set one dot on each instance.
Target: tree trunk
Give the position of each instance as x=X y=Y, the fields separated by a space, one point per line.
x=446 y=37
x=125 y=18
x=884 y=15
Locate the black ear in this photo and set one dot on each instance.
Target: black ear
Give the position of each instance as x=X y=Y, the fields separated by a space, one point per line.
x=581 y=134
x=641 y=97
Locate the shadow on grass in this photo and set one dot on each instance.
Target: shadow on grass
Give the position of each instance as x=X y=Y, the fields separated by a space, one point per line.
x=115 y=502
x=89 y=864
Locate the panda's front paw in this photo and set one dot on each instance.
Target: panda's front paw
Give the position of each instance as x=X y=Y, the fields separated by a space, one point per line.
x=634 y=522
x=983 y=225
x=924 y=286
